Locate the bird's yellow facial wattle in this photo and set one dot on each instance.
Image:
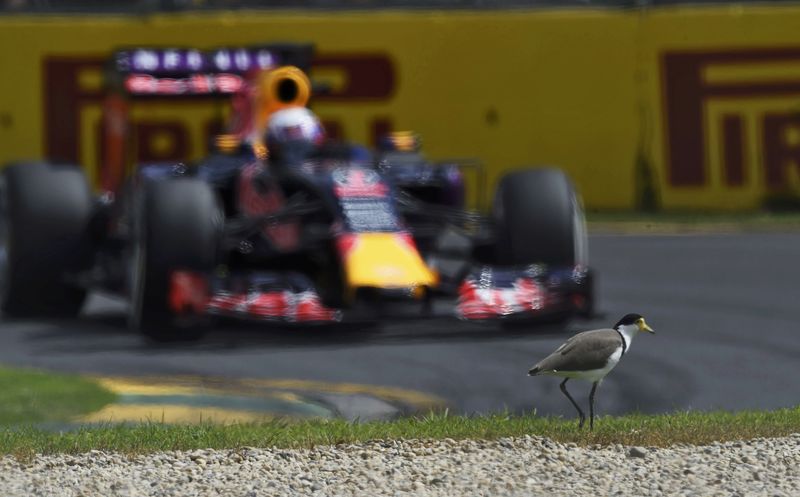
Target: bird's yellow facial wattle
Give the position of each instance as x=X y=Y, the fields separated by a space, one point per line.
x=644 y=327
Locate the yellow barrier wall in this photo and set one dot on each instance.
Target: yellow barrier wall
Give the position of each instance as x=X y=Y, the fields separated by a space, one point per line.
x=724 y=92
x=702 y=100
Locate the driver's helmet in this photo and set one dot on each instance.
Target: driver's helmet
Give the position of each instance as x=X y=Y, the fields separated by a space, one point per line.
x=293 y=135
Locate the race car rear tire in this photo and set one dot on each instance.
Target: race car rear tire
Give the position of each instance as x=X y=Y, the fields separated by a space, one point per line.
x=539 y=219
x=47 y=215
x=178 y=227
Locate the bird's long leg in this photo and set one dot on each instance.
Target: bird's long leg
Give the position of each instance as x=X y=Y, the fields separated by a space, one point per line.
x=580 y=413
x=591 y=406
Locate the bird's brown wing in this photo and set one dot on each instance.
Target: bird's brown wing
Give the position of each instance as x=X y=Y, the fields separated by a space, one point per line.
x=584 y=351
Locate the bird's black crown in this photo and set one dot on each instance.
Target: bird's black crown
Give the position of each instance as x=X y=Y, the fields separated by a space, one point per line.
x=628 y=319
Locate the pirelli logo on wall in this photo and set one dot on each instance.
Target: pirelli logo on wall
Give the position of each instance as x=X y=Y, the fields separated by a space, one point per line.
x=732 y=118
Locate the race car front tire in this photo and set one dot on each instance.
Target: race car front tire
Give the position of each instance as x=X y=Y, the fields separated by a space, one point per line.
x=178 y=227
x=538 y=219
x=47 y=212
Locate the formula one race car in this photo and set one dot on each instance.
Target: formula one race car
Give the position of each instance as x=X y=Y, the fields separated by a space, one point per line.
x=333 y=235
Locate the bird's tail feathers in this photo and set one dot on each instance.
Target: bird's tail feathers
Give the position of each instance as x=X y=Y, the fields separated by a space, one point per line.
x=534 y=371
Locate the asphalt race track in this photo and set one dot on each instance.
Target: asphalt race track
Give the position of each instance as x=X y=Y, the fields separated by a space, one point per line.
x=725 y=308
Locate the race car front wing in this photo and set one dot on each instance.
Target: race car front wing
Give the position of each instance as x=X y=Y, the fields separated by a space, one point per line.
x=487 y=293
x=517 y=293
x=273 y=297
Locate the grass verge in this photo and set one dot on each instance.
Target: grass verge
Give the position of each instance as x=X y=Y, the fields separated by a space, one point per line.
x=28 y=396
x=660 y=430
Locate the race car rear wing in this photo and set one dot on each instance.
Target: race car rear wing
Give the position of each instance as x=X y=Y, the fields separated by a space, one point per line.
x=161 y=71
x=143 y=73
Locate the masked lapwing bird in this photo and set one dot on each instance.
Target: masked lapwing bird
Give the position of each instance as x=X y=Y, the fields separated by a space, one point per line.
x=591 y=355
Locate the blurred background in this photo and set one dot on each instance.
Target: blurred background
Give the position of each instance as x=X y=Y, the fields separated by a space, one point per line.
x=648 y=104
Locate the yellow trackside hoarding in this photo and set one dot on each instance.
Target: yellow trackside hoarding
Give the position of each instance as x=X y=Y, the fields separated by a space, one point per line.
x=724 y=93
x=693 y=104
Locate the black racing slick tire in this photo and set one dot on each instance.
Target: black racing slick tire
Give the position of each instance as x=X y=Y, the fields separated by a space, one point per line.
x=539 y=219
x=178 y=227
x=47 y=213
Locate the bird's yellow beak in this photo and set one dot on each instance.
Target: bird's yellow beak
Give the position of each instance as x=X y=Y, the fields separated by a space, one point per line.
x=644 y=327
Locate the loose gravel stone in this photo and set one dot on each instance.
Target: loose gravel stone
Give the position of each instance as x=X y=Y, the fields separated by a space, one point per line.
x=637 y=452
x=525 y=466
